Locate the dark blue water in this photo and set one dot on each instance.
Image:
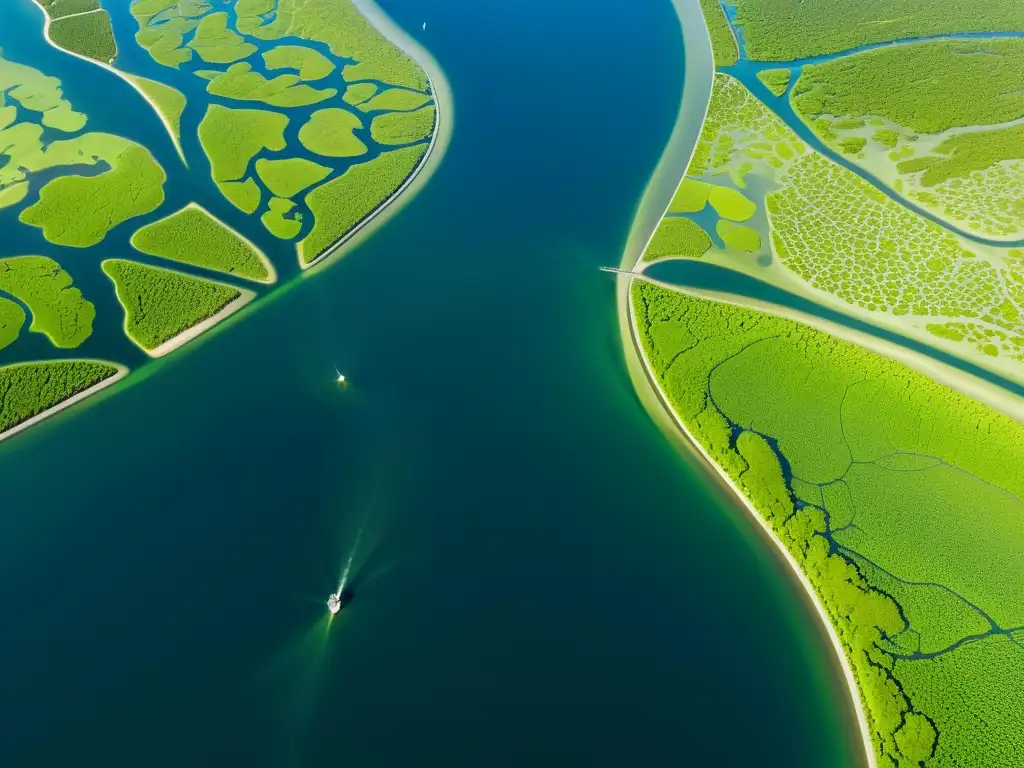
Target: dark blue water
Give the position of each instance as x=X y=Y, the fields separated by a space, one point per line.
x=540 y=578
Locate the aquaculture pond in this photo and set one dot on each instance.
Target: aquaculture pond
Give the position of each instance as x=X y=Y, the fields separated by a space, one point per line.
x=539 y=576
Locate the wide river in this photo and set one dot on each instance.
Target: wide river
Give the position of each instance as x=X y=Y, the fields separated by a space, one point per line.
x=541 y=578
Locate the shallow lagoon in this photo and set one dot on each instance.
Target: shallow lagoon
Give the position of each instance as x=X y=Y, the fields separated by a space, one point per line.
x=540 y=576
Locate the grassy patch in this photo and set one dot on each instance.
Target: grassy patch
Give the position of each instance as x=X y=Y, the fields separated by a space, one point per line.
x=132 y=187
x=357 y=93
x=310 y=64
x=12 y=318
x=342 y=203
x=969 y=82
x=161 y=304
x=961 y=154
x=244 y=195
x=286 y=178
x=165 y=41
x=692 y=196
x=723 y=41
x=170 y=102
x=775 y=80
x=55 y=9
x=738 y=236
x=894 y=454
x=193 y=236
x=330 y=132
x=242 y=84
x=677 y=237
x=395 y=99
x=841 y=235
x=28 y=389
x=340 y=25
x=36 y=92
x=216 y=43
x=90 y=35
x=232 y=137
x=852 y=145
x=731 y=204
x=58 y=309
x=887 y=137
x=13 y=194
x=277 y=221
x=394 y=128
x=783 y=31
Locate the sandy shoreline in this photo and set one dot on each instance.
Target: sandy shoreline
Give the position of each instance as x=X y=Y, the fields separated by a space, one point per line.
x=122 y=371
x=439 y=140
x=110 y=68
x=196 y=330
x=657 y=197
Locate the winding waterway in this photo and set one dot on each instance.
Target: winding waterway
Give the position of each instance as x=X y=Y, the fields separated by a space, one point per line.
x=540 y=577
x=745 y=70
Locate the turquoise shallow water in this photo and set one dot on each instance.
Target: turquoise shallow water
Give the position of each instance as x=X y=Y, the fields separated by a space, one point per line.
x=540 y=577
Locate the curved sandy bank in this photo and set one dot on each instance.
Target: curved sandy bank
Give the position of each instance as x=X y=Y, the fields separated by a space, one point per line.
x=122 y=371
x=47 y=21
x=696 y=99
x=439 y=140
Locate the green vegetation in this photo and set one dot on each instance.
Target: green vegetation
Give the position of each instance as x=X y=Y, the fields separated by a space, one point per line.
x=961 y=154
x=731 y=204
x=342 y=203
x=775 y=80
x=330 y=132
x=276 y=221
x=193 y=236
x=161 y=304
x=29 y=389
x=340 y=25
x=132 y=187
x=13 y=194
x=217 y=44
x=89 y=35
x=924 y=479
x=242 y=84
x=244 y=195
x=691 y=197
x=309 y=63
x=286 y=178
x=56 y=9
x=676 y=236
x=395 y=99
x=170 y=102
x=971 y=694
x=852 y=145
x=969 y=82
x=36 y=92
x=723 y=41
x=58 y=310
x=887 y=137
x=840 y=235
x=357 y=93
x=12 y=317
x=164 y=41
x=738 y=236
x=784 y=31
x=231 y=138
x=403 y=127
